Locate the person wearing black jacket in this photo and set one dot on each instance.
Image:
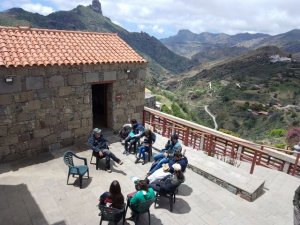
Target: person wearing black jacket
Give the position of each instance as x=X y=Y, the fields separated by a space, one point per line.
x=99 y=145
x=296 y=203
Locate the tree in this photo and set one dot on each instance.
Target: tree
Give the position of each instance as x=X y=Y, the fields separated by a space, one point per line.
x=293 y=136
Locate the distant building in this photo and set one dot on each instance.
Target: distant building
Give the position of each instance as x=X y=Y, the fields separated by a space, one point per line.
x=277 y=58
x=55 y=86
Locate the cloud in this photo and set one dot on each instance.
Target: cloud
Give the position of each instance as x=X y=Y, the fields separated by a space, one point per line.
x=38 y=8
x=166 y=17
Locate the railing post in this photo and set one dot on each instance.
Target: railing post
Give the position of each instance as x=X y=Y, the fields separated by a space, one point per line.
x=144 y=117
x=201 y=146
x=239 y=152
x=186 y=137
x=253 y=162
x=296 y=164
x=153 y=121
x=232 y=151
x=210 y=145
x=260 y=153
x=164 y=127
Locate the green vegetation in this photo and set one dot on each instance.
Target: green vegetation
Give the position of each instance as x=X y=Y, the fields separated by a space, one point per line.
x=229 y=132
x=277 y=133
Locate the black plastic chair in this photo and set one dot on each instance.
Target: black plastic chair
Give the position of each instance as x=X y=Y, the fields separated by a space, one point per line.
x=112 y=214
x=170 y=195
x=98 y=158
x=79 y=170
x=139 y=209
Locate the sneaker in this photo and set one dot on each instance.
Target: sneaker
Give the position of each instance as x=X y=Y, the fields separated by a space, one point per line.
x=108 y=170
x=137 y=160
x=124 y=152
x=127 y=153
x=121 y=162
x=143 y=162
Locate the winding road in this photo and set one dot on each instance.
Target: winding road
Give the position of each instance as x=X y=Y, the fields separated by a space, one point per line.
x=212 y=116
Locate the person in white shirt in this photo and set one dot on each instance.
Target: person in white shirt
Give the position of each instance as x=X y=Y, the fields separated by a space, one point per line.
x=160 y=173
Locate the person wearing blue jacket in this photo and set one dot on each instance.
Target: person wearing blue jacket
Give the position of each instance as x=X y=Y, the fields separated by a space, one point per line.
x=99 y=145
x=180 y=159
x=166 y=154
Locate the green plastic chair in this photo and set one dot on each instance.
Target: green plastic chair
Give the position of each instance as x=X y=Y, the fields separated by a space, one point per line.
x=79 y=170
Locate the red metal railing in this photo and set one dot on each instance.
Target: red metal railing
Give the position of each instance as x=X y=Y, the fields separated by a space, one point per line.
x=218 y=144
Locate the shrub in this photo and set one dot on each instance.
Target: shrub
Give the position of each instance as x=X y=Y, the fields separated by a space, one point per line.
x=293 y=136
x=277 y=133
x=229 y=132
x=166 y=109
x=177 y=111
x=280 y=145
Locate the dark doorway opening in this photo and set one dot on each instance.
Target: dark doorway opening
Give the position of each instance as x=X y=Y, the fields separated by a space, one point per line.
x=99 y=96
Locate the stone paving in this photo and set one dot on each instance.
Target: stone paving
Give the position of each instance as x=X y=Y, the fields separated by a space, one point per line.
x=35 y=192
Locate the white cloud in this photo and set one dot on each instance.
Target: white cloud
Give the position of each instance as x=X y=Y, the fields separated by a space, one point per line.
x=141 y=27
x=157 y=29
x=38 y=8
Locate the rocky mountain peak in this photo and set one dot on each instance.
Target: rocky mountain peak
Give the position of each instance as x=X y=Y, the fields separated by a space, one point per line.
x=96 y=6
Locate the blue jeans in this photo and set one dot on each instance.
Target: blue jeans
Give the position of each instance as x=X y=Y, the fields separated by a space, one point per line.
x=159 y=164
x=142 y=151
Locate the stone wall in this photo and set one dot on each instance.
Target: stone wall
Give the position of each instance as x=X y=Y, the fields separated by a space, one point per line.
x=50 y=107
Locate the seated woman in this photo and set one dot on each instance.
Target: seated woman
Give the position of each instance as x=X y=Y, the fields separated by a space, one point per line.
x=150 y=138
x=169 y=183
x=143 y=194
x=114 y=198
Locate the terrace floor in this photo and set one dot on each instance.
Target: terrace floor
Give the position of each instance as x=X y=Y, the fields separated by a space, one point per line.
x=34 y=192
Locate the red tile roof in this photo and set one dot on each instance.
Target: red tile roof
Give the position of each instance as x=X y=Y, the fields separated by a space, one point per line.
x=22 y=46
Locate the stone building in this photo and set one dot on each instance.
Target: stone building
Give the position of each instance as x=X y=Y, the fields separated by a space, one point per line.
x=56 y=86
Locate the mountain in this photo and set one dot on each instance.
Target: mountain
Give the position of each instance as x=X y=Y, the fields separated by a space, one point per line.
x=90 y=18
x=187 y=43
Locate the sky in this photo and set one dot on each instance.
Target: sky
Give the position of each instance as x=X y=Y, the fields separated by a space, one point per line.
x=164 y=18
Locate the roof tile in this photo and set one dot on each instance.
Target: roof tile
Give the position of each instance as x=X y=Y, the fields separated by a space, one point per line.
x=19 y=47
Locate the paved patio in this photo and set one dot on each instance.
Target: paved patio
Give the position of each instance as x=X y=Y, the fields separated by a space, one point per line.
x=35 y=192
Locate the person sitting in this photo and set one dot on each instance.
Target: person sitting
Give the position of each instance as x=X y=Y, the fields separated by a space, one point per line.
x=99 y=145
x=134 y=136
x=150 y=138
x=159 y=174
x=143 y=194
x=166 y=154
x=114 y=198
x=170 y=182
x=124 y=132
x=180 y=159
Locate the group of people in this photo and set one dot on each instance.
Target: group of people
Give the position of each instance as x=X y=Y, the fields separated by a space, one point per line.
x=165 y=174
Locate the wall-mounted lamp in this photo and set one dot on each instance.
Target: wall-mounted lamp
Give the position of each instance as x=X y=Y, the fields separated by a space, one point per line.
x=9 y=80
x=127 y=71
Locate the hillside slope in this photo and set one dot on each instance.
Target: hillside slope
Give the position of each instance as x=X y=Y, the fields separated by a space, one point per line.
x=248 y=94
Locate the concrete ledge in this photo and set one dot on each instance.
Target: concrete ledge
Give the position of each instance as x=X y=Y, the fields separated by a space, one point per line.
x=235 y=180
